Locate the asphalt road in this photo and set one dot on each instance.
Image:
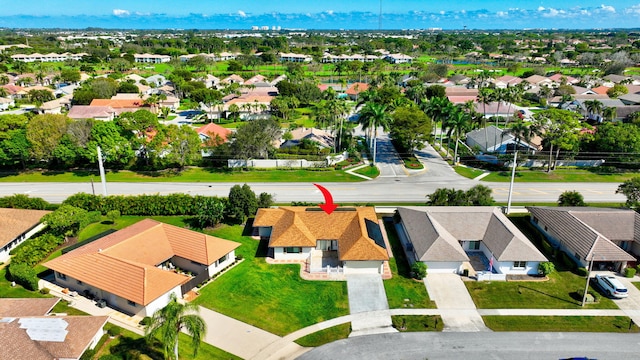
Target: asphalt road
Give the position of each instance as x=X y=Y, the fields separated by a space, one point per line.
x=405 y=189
x=480 y=346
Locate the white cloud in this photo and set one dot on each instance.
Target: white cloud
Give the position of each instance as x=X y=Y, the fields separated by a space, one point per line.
x=541 y=8
x=607 y=8
x=121 y=12
x=242 y=13
x=502 y=13
x=329 y=12
x=635 y=10
x=441 y=12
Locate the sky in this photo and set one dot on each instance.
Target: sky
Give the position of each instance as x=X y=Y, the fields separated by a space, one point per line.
x=322 y=14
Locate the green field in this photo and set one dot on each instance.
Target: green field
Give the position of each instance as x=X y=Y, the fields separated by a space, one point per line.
x=188 y=175
x=558 y=175
x=615 y=324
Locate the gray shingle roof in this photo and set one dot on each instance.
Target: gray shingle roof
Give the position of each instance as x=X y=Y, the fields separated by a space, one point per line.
x=436 y=231
x=583 y=230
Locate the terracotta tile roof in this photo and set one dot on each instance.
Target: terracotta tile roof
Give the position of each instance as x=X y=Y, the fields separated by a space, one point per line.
x=583 y=230
x=26 y=307
x=600 y=90
x=124 y=262
x=14 y=222
x=17 y=344
x=302 y=226
x=211 y=130
x=118 y=103
x=90 y=112
x=357 y=88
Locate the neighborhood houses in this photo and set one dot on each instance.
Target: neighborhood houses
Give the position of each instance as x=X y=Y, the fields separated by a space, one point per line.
x=473 y=181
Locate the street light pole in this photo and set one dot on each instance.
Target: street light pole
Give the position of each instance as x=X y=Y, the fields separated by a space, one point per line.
x=586 y=287
x=513 y=176
x=103 y=178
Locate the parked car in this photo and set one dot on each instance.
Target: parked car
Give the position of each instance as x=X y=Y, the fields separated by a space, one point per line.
x=611 y=286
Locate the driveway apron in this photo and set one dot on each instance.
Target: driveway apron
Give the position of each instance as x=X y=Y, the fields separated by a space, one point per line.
x=459 y=313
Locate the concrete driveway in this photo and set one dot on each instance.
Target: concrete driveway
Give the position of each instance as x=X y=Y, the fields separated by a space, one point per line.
x=459 y=313
x=367 y=297
x=387 y=159
x=631 y=304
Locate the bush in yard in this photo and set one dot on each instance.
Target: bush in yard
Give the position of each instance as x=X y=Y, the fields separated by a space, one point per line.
x=419 y=269
x=67 y=220
x=113 y=215
x=546 y=268
x=629 y=272
x=265 y=200
x=145 y=321
x=581 y=271
x=24 y=275
x=242 y=202
x=114 y=331
x=22 y=201
x=571 y=198
x=45 y=291
x=33 y=251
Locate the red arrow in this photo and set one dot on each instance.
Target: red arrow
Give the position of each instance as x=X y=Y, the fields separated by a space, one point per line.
x=328 y=205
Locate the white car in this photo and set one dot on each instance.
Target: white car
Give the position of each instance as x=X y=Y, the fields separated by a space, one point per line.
x=611 y=286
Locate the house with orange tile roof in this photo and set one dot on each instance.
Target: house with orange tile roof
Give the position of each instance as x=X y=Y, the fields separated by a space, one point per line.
x=211 y=130
x=28 y=331
x=135 y=269
x=17 y=226
x=349 y=239
x=355 y=89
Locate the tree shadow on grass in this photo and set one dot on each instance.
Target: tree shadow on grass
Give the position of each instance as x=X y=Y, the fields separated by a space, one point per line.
x=544 y=293
x=129 y=348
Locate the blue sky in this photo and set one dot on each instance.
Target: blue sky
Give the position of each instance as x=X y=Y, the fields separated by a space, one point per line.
x=322 y=14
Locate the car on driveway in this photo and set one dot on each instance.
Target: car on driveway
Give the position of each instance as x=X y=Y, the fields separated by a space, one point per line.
x=611 y=286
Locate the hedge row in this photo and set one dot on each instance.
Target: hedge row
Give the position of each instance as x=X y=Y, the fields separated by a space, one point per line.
x=35 y=250
x=22 y=201
x=24 y=275
x=150 y=205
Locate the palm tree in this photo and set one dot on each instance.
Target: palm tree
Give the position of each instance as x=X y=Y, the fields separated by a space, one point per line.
x=372 y=116
x=438 y=108
x=593 y=107
x=167 y=323
x=609 y=113
x=520 y=131
x=485 y=96
x=459 y=123
x=4 y=79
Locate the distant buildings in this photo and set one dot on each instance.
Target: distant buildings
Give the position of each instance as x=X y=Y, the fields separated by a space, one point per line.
x=51 y=57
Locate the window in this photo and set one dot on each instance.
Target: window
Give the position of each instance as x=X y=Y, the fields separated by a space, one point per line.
x=131 y=303
x=62 y=276
x=474 y=245
x=293 y=250
x=222 y=259
x=519 y=264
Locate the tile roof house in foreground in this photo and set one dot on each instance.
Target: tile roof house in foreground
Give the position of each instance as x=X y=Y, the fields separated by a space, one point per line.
x=445 y=237
x=17 y=226
x=606 y=236
x=27 y=332
x=352 y=236
x=132 y=269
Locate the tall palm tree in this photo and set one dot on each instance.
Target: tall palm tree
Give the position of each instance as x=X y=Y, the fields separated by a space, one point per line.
x=167 y=323
x=520 y=131
x=438 y=109
x=609 y=113
x=593 y=107
x=459 y=122
x=485 y=96
x=372 y=116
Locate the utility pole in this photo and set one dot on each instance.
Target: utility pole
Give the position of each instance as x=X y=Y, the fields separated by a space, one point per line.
x=586 y=287
x=513 y=176
x=102 y=176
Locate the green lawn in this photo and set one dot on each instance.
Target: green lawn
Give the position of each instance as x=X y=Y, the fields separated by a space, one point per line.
x=189 y=175
x=415 y=323
x=558 y=175
x=468 y=172
x=63 y=307
x=370 y=171
x=401 y=286
x=272 y=297
x=325 y=336
x=129 y=345
x=559 y=292
x=412 y=163
x=615 y=324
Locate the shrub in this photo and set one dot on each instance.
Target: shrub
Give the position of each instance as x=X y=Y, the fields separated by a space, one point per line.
x=24 y=275
x=113 y=215
x=88 y=355
x=33 y=251
x=145 y=321
x=114 y=331
x=546 y=268
x=629 y=272
x=419 y=269
x=22 y=201
x=45 y=291
x=581 y=271
x=112 y=357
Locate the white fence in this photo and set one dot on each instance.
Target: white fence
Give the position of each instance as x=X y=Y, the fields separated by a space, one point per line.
x=487 y=276
x=287 y=163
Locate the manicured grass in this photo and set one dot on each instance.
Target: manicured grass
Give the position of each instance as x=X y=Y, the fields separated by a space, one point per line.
x=615 y=324
x=8 y=291
x=128 y=344
x=325 y=336
x=558 y=175
x=272 y=297
x=188 y=175
x=370 y=171
x=468 y=172
x=99 y=228
x=401 y=286
x=415 y=323
x=559 y=292
x=63 y=307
